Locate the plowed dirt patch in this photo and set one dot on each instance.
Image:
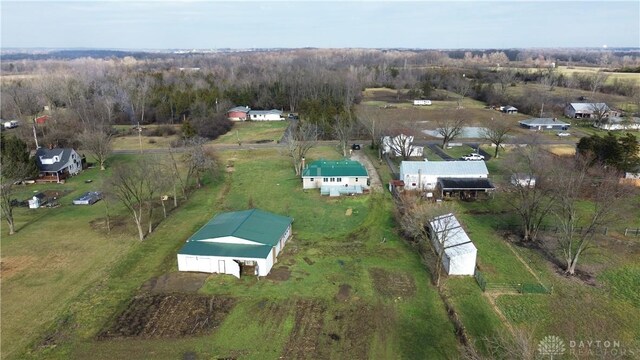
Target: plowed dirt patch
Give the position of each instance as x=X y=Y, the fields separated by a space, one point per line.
x=169 y=316
x=392 y=283
x=175 y=282
x=279 y=274
x=304 y=340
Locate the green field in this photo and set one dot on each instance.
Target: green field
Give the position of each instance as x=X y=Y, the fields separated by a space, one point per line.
x=71 y=301
x=249 y=132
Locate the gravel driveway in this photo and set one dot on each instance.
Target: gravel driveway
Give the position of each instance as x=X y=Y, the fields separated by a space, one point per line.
x=376 y=184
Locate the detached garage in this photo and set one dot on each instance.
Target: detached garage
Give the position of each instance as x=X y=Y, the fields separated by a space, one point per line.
x=459 y=257
x=241 y=242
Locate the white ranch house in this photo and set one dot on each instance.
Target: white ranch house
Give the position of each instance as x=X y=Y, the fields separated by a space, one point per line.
x=241 y=242
x=335 y=177
x=265 y=115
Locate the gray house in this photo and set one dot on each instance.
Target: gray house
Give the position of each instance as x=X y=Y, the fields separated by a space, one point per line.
x=588 y=110
x=56 y=165
x=544 y=124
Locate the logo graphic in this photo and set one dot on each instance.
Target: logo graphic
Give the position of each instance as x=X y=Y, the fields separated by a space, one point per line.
x=551 y=345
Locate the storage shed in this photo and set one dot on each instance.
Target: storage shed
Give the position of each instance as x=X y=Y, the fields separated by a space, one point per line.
x=241 y=242
x=459 y=257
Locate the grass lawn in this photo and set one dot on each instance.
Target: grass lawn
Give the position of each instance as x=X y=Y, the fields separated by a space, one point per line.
x=53 y=258
x=253 y=131
x=457 y=152
x=390 y=310
x=132 y=142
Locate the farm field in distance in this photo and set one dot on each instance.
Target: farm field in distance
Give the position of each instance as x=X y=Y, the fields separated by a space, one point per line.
x=358 y=278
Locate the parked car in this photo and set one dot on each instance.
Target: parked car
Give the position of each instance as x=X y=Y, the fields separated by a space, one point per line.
x=563 y=134
x=473 y=156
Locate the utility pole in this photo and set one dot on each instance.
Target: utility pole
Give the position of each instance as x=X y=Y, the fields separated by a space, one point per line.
x=140 y=136
x=35 y=135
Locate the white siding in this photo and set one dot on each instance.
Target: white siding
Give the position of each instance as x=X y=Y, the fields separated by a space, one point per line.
x=214 y=264
x=309 y=182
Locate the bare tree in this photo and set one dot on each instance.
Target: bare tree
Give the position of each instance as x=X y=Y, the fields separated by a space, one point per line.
x=518 y=344
x=300 y=138
x=130 y=184
x=579 y=220
x=400 y=145
x=505 y=78
x=532 y=187
x=99 y=143
x=496 y=133
x=450 y=128
x=462 y=87
x=369 y=118
x=414 y=215
x=600 y=112
x=343 y=128
x=198 y=160
x=596 y=80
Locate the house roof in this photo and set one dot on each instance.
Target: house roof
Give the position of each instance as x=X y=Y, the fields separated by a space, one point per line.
x=253 y=225
x=465 y=184
x=335 y=168
x=263 y=228
x=244 y=109
x=456 y=241
x=63 y=155
x=265 y=112
x=542 y=122
x=444 y=168
x=206 y=248
x=509 y=107
x=588 y=106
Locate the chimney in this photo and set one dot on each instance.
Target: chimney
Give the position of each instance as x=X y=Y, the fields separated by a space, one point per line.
x=303 y=164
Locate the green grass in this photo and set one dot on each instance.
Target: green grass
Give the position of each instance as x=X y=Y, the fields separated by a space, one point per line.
x=342 y=248
x=475 y=311
x=248 y=132
x=457 y=152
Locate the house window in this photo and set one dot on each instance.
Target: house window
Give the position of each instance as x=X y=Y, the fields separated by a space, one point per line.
x=339 y=180
x=333 y=179
x=325 y=179
x=356 y=179
x=311 y=179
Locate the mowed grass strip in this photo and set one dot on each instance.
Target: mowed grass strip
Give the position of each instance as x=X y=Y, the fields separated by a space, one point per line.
x=247 y=132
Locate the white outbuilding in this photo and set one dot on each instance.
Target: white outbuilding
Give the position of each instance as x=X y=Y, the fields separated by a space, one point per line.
x=459 y=256
x=241 y=242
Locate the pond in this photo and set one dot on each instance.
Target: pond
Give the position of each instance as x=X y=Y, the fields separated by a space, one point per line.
x=467 y=132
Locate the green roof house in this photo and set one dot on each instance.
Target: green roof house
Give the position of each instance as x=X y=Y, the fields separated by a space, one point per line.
x=239 y=242
x=335 y=177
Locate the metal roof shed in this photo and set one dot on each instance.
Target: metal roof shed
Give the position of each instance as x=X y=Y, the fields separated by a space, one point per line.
x=459 y=257
x=231 y=243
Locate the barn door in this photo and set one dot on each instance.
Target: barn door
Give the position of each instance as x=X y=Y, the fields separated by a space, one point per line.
x=221 y=268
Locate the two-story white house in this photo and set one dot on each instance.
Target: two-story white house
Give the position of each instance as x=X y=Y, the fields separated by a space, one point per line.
x=335 y=177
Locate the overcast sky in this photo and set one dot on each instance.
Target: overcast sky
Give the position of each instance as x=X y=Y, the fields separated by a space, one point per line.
x=294 y=24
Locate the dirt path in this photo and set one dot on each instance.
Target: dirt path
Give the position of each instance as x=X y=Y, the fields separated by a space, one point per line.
x=376 y=184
